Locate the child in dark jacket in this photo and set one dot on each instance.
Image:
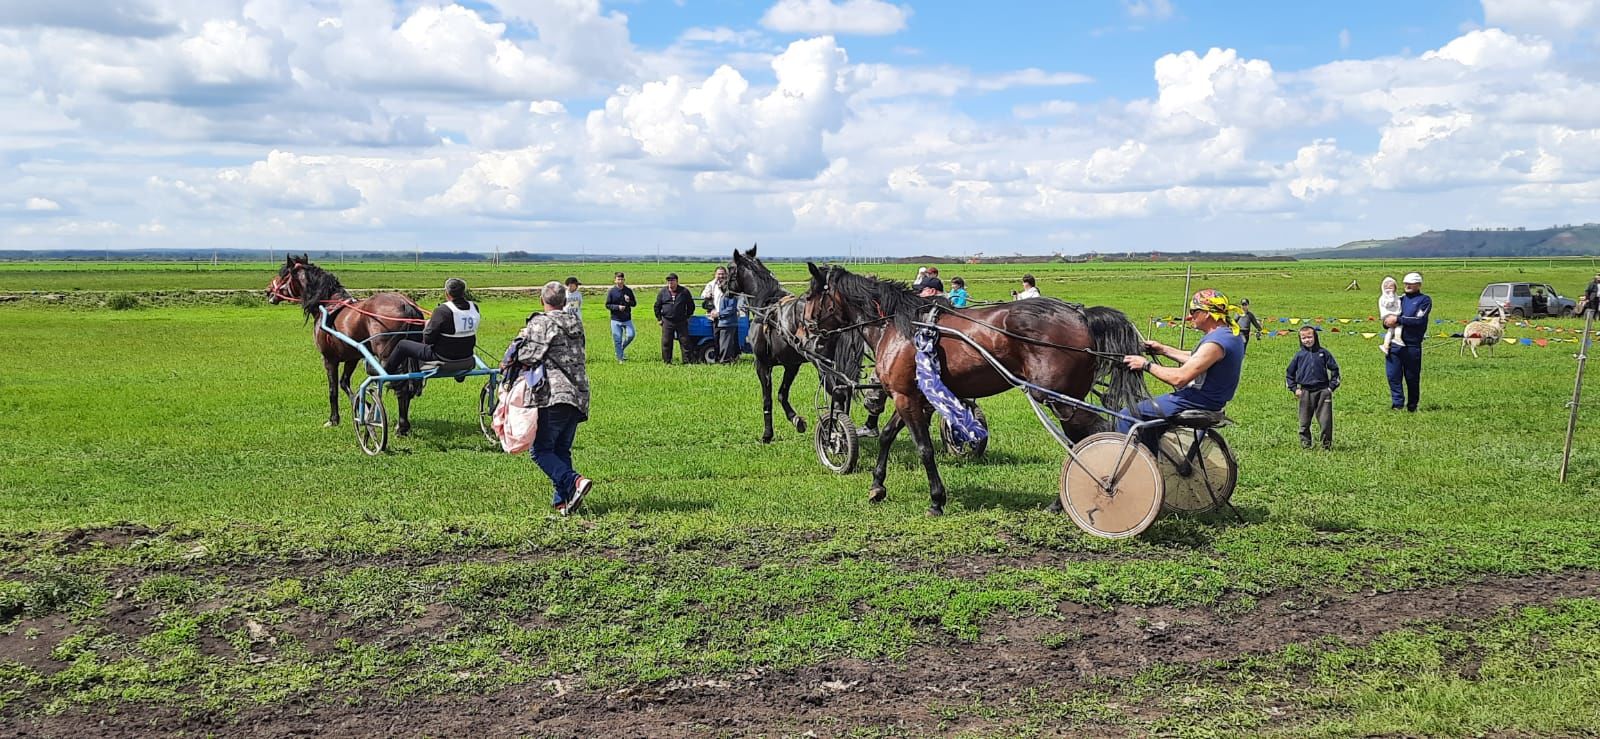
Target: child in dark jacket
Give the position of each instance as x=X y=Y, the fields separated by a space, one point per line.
x=1312 y=376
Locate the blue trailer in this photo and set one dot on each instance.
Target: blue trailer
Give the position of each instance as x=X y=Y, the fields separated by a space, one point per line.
x=703 y=342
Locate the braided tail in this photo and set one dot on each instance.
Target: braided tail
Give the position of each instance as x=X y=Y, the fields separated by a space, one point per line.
x=1116 y=335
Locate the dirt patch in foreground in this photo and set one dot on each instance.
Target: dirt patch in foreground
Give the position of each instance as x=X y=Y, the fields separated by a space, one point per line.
x=1011 y=658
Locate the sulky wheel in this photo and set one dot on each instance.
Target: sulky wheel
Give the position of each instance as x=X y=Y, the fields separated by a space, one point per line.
x=972 y=450
x=1198 y=475
x=488 y=401
x=836 y=442
x=372 y=420
x=1110 y=487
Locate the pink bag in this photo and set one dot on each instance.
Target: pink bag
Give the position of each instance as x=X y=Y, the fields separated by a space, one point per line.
x=516 y=419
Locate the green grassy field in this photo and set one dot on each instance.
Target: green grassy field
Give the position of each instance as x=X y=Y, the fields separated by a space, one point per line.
x=177 y=530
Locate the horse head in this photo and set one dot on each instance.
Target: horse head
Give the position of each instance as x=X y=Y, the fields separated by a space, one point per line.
x=290 y=283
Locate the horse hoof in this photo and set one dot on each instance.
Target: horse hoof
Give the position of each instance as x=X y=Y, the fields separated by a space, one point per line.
x=766 y=438
x=1055 y=507
x=800 y=424
x=403 y=431
x=332 y=422
x=876 y=495
x=934 y=511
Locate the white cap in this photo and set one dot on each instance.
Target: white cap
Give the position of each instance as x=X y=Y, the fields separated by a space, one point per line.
x=1413 y=278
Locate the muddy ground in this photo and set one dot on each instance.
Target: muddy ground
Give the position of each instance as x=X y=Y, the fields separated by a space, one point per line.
x=902 y=696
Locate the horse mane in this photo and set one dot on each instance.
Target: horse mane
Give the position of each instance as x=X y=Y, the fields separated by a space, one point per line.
x=891 y=298
x=321 y=285
x=767 y=288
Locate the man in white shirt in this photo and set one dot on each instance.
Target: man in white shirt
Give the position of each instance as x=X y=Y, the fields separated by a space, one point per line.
x=1029 y=289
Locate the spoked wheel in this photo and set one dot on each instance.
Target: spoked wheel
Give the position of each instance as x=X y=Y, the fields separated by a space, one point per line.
x=1199 y=475
x=1112 y=489
x=372 y=420
x=970 y=450
x=488 y=400
x=838 y=446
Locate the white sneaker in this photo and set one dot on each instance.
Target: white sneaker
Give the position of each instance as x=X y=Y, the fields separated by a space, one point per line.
x=580 y=488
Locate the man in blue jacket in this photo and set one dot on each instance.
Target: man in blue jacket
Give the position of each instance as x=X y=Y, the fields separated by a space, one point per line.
x=1405 y=363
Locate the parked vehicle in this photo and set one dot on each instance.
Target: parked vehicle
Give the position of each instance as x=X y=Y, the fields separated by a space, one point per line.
x=1525 y=300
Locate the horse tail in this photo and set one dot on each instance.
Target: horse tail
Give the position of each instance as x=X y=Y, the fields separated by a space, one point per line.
x=1116 y=336
x=849 y=353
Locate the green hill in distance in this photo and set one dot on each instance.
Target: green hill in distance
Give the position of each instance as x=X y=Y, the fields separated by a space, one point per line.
x=1561 y=241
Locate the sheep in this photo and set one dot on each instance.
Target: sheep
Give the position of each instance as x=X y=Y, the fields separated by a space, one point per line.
x=1484 y=332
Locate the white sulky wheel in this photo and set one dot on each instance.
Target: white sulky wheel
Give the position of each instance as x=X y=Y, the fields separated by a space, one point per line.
x=971 y=450
x=1196 y=480
x=838 y=446
x=1134 y=496
x=372 y=420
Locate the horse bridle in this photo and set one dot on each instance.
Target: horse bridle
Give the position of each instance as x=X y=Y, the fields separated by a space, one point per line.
x=280 y=285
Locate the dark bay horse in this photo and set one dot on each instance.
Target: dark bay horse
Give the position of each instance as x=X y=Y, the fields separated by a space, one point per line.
x=1047 y=342
x=380 y=321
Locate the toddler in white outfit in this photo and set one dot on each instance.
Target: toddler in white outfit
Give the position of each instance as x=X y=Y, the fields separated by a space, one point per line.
x=1389 y=305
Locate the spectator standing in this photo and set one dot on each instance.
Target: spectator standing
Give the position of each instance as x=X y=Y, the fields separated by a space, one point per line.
x=1248 y=322
x=555 y=339
x=725 y=326
x=621 y=302
x=1029 y=289
x=958 y=295
x=922 y=276
x=1404 y=363
x=711 y=294
x=673 y=309
x=1591 y=295
x=574 y=298
x=1312 y=376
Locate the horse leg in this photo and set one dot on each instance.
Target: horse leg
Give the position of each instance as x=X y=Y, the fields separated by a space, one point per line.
x=1077 y=423
x=789 y=372
x=402 y=394
x=344 y=380
x=878 y=492
x=916 y=419
x=332 y=368
x=764 y=373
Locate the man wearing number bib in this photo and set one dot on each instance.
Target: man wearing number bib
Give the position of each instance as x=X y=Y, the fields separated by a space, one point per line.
x=452 y=333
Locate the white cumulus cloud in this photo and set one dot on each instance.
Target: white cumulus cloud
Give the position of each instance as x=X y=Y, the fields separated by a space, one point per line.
x=861 y=17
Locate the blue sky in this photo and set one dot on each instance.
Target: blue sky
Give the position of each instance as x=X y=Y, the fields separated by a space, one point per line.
x=813 y=126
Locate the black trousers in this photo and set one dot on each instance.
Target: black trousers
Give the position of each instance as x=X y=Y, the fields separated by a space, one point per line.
x=1316 y=403
x=669 y=330
x=406 y=350
x=727 y=343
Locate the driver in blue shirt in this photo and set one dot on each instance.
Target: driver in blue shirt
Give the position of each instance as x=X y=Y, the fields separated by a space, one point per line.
x=1205 y=378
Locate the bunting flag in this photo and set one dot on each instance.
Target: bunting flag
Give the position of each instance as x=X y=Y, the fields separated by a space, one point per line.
x=1542 y=341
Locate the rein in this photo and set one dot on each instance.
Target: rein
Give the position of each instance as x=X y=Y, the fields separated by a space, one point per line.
x=277 y=286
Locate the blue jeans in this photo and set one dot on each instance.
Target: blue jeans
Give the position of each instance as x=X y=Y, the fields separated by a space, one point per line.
x=622 y=334
x=1404 y=363
x=552 y=447
x=1160 y=406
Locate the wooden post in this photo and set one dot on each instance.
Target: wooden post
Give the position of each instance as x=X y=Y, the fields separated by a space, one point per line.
x=1577 y=390
x=1183 y=313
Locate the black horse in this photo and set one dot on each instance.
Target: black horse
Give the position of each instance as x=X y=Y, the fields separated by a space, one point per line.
x=779 y=338
x=1055 y=345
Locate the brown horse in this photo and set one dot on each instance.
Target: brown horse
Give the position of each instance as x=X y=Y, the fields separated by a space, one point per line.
x=378 y=321
x=1059 y=347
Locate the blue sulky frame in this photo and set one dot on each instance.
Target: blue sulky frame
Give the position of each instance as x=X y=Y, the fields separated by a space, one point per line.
x=372 y=420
